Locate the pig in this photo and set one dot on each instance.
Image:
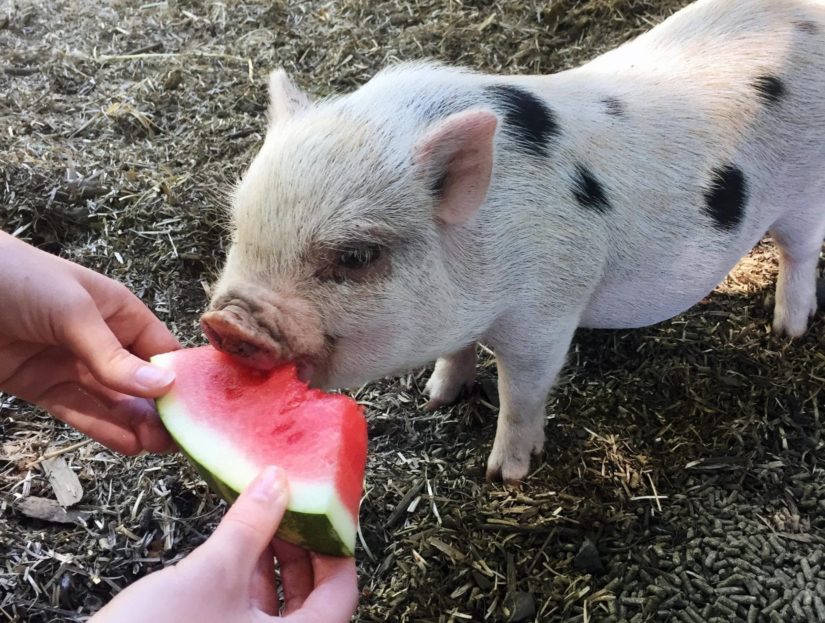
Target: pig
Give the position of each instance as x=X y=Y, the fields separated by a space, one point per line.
x=436 y=207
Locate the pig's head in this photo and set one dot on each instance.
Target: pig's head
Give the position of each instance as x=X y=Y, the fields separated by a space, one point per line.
x=349 y=254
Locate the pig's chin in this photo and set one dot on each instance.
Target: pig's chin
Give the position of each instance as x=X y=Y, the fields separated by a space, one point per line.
x=306 y=370
x=318 y=377
x=324 y=376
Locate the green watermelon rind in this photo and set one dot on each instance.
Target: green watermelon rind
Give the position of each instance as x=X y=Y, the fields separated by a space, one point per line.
x=316 y=518
x=308 y=530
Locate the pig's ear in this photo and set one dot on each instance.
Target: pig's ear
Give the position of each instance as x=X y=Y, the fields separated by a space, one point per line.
x=457 y=155
x=285 y=99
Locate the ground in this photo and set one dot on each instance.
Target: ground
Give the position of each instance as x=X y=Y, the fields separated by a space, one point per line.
x=683 y=475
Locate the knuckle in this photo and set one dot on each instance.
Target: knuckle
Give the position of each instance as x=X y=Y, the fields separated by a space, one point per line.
x=73 y=313
x=130 y=447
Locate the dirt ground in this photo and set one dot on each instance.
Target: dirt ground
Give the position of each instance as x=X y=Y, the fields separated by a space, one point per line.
x=683 y=476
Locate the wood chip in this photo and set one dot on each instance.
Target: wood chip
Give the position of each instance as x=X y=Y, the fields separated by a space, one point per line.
x=49 y=510
x=65 y=484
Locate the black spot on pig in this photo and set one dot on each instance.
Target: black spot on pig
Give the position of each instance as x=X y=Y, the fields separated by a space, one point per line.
x=726 y=197
x=770 y=88
x=808 y=27
x=614 y=107
x=526 y=118
x=588 y=191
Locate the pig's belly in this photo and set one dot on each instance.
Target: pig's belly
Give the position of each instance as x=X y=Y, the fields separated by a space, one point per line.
x=646 y=285
x=639 y=304
x=656 y=290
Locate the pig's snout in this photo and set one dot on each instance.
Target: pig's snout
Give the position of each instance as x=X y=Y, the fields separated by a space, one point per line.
x=231 y=331
x=262 y=330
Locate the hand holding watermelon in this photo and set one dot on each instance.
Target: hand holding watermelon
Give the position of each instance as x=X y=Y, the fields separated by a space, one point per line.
x=74 y=342
x=230 y=577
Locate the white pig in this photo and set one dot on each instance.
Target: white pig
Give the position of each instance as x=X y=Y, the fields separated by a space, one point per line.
x=435 y=207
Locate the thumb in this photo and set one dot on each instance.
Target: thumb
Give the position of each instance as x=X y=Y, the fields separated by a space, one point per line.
x=249 y=525
x=88 y=336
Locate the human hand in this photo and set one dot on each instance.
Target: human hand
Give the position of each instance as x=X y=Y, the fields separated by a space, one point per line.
x=230 y=578
x=74 y=342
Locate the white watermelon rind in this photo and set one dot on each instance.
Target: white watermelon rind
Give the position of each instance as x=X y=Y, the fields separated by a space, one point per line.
x=316 y=518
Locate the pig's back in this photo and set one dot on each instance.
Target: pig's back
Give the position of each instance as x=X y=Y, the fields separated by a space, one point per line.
x=726 y=91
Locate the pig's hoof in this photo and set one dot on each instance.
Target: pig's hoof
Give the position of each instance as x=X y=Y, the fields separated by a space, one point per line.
x=437 y=401
x=791 y=325
x=783 y=329
x=508 y=474
x=445 y=390
x=511 y=465
x=790 y=317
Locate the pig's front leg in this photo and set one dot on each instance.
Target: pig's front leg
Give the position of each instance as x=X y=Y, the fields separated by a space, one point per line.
x=800 y=243
x=529 y=357
x=452 y=375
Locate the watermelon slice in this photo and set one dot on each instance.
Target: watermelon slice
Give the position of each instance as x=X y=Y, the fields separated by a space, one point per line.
x=231 y=421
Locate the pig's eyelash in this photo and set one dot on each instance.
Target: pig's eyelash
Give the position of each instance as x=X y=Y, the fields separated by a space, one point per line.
x=352 y=262
x=358 y=257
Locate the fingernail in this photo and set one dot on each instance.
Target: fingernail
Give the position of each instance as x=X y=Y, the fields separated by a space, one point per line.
x=270 y=485
x=153 y=378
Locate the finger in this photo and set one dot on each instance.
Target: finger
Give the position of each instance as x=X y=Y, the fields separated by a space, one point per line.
x=88 y=336
x=296 y=574
x=132 y=322
x=154 y=339
x=139 y=414
x=262 y=586
x=27 y=370
x=71 y=404
x=249 y=525
x=54 y=379
x=150 y=431
x=336 y=582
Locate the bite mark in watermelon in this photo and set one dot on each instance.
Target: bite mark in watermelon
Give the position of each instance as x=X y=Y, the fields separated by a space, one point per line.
x=231 y=421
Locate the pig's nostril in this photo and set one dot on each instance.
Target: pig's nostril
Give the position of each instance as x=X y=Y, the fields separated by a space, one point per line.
x=238 y=341
x=242 y=349
x=215 y=338
x=229 y=344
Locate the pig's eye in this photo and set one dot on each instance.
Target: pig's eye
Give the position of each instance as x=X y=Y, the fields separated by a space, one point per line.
x=358 y=257
x=354 y=263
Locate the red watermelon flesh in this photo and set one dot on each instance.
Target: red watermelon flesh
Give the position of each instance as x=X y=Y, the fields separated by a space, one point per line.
x=232 y=421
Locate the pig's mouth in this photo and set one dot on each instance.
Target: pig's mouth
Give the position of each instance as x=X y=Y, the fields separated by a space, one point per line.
x=232 y=331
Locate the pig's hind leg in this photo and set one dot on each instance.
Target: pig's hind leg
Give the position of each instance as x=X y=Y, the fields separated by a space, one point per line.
x=529 y=357
x=799 y=239
x=453 y=375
